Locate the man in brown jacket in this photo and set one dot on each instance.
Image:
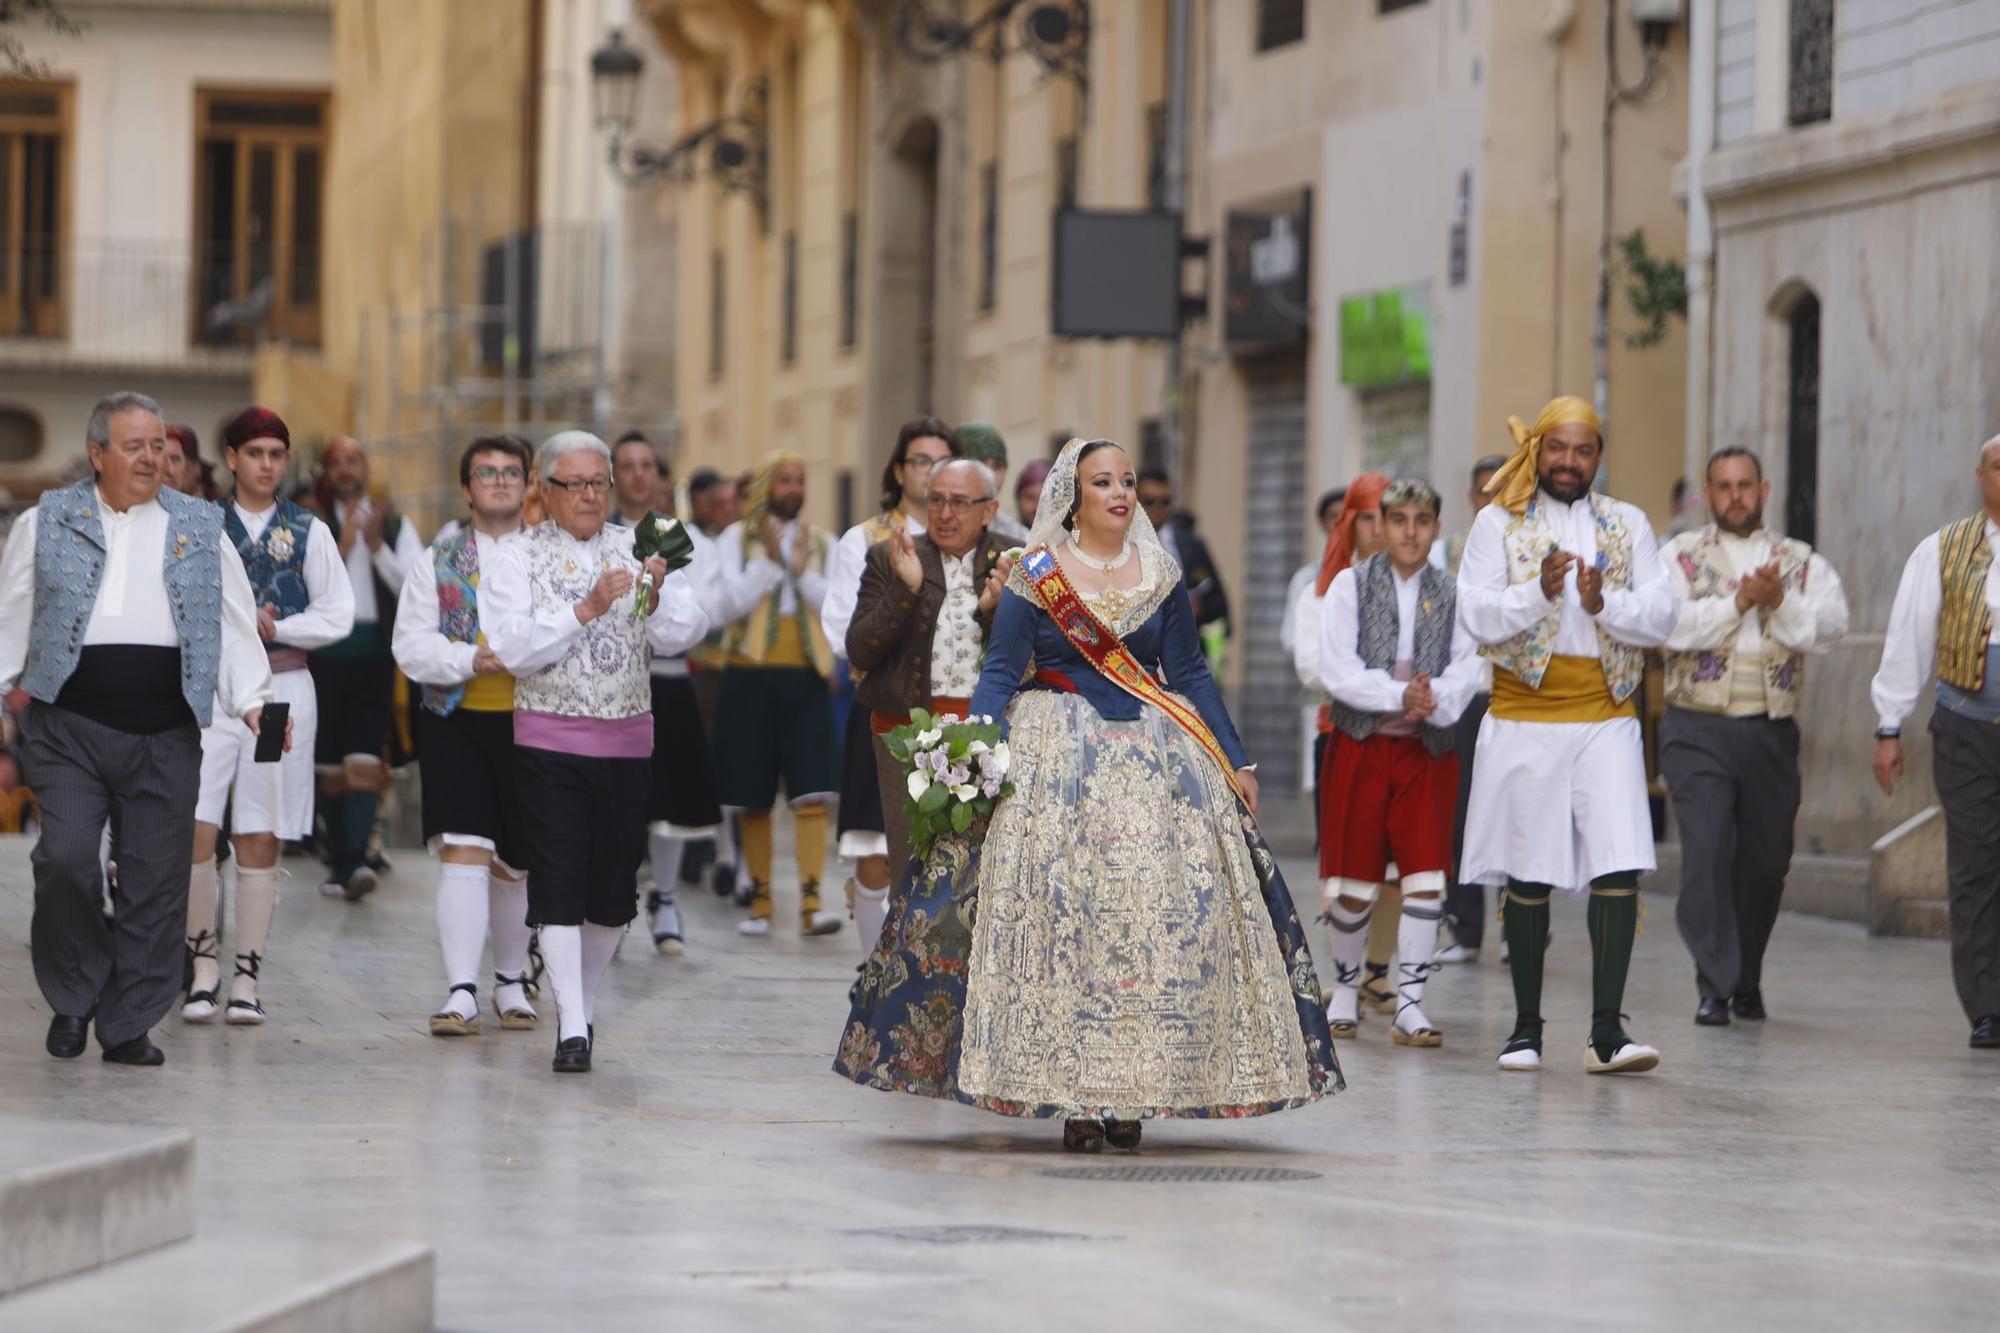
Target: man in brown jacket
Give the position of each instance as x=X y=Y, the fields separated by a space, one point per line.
x=919 y=629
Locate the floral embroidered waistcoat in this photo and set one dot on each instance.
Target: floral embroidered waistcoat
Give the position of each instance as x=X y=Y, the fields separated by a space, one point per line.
x=1701 y=679
x=1528 y=541
x=607 y=672
x=751 y=637
x=275 y=561
x=69 y=568
x=456 y=563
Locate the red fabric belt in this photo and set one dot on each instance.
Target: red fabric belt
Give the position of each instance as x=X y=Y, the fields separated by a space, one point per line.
x=1055 y=680
x=884 y=723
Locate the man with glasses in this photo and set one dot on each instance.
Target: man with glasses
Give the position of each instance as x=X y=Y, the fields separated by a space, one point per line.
x=557 y=606
x=1198 y=570
x=922 y=445
x=919 y=631
x=684 y=805
x=466 y=746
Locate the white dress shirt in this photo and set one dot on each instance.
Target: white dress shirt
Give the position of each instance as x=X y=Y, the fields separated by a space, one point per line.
x=1494 y=611
x=1909 y=648
x=1347 y=678
x=132 y=605
x=1288 y=624
x=843 y=581
x=529 y=639
x=425 y=655
x=392 y=561
x=744 y=583
x=1303 y=615
x=955 y=645
x=329 y=614
x=1808 y=622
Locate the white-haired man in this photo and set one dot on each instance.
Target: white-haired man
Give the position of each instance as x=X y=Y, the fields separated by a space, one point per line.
x=126 y=616
x=557 y=606
x=1943 y=615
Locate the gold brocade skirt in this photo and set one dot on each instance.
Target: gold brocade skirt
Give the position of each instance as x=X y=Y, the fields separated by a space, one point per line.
x=1124 y=962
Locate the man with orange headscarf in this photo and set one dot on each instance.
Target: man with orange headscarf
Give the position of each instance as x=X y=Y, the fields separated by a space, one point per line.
x=1564 y=589
x=774 y=719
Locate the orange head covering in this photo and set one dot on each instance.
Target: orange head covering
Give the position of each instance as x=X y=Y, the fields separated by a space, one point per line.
x=1363 y=494
x=1514 y=484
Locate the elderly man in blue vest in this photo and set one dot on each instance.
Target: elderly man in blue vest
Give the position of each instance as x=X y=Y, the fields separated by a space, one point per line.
x=128 y=620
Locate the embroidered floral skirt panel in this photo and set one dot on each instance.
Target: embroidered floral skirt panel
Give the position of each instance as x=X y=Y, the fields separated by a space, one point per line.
x=1120 y=946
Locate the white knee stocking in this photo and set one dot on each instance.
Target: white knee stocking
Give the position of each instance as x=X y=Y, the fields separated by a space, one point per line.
x=1416 y=941
x=507 y=918
x=562 y=954
x=725 y=837
x=256 y=902
x=666 y=851
x=203 y=892
x=1350 y=944
x=871 y=909
x=599 y=944
x=461 y=920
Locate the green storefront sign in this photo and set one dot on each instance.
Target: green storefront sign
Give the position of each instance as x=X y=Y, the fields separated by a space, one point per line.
x=1385 y=337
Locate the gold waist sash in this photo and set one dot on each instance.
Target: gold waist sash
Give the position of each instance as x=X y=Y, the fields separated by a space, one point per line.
x=1573 y=690
x=489 y=694
x=788 y=648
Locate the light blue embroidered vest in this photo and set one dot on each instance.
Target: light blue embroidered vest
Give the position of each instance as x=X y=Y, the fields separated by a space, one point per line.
x=69 y=566
x=276 y=561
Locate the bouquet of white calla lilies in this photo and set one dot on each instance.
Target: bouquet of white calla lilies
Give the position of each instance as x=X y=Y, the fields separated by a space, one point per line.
x=955 y=772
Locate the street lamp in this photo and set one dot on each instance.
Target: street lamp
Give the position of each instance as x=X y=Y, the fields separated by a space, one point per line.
x=731 y=150
x=1055 y=32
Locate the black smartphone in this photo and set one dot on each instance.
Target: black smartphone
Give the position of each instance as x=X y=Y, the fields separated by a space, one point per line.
x=271 y=733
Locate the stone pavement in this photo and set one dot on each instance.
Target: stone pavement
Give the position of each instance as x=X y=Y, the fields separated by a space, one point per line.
x=1834 y=1167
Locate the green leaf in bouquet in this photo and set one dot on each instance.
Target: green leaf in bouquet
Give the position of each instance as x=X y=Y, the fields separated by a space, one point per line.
x=961 y=817
x=920 y=720
x=933 y=799
x=898 y=747
x=663 y=537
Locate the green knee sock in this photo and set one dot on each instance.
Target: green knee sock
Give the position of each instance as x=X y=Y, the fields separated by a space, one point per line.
x=357 y=817
x=1614 y=922
x=1524 y=921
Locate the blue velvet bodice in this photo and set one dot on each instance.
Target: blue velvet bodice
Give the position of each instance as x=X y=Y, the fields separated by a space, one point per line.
x=1166 y=644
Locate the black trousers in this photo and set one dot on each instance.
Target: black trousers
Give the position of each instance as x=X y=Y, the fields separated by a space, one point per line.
x=127 y=971
x=583 y=822
x=1965 y=763
x=1465 y=904
x=1735 y=787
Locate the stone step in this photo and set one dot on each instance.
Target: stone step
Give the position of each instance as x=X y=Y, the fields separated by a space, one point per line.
x=76 y=1195
x=242 y=1283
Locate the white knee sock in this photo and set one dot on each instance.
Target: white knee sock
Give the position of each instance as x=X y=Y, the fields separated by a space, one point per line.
x=256 y=901
x=461 y=920
x=725 y=837
x=507 y=918
x=871 y=909
x=666 y=851
x=1350 y=945
x=204 y=890
x=599 y=944
x=562 y=954
x=1416 y=941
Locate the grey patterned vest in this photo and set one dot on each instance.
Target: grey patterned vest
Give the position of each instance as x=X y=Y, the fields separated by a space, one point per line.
x=69 y=565
x=1376 y=611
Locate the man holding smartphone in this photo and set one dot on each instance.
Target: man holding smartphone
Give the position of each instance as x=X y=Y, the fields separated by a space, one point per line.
x=303 y=602
x=125 y=615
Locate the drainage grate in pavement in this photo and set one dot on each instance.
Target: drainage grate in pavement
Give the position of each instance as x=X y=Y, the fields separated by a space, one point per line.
x=1210 y=1175
x=967 y=1235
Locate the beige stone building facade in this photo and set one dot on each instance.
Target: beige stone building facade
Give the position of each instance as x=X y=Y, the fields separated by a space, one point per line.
x=1844 y=176
x=903 y=265
x=1410 y=202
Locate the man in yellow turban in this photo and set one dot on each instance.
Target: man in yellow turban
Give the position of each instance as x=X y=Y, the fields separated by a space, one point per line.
x=1564 y=589
x=774 y=717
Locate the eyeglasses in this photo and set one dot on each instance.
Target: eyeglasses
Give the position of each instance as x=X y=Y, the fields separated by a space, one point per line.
x=511 y=475
x=957 y=504
x=595 y=485
x=922 y=462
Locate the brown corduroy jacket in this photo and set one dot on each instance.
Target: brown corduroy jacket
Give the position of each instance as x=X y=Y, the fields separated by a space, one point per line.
x=890 y=636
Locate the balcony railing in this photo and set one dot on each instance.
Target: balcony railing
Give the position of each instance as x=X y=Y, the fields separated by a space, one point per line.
x=148 y=303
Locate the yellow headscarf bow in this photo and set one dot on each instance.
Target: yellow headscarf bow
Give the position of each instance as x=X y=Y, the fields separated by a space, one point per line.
x=759 y=502
x=1514 y=484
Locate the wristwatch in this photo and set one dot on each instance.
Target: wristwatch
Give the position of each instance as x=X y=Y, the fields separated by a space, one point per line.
x=1888 y=733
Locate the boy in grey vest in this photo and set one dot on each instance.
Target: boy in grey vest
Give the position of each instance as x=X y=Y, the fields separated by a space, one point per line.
x=1400 y=670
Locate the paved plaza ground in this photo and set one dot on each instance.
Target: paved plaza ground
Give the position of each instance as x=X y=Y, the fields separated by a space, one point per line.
x=1835 y=1167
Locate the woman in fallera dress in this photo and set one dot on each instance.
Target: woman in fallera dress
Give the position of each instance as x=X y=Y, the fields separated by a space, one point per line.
x=1121 y=947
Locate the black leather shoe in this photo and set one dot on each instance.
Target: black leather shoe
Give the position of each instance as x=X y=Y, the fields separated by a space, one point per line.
x=1713 y=1012
x=1749 y=1005
x=572 y=1056
x=1986 y=1032
x=68 y=1036
x=138 y=1051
